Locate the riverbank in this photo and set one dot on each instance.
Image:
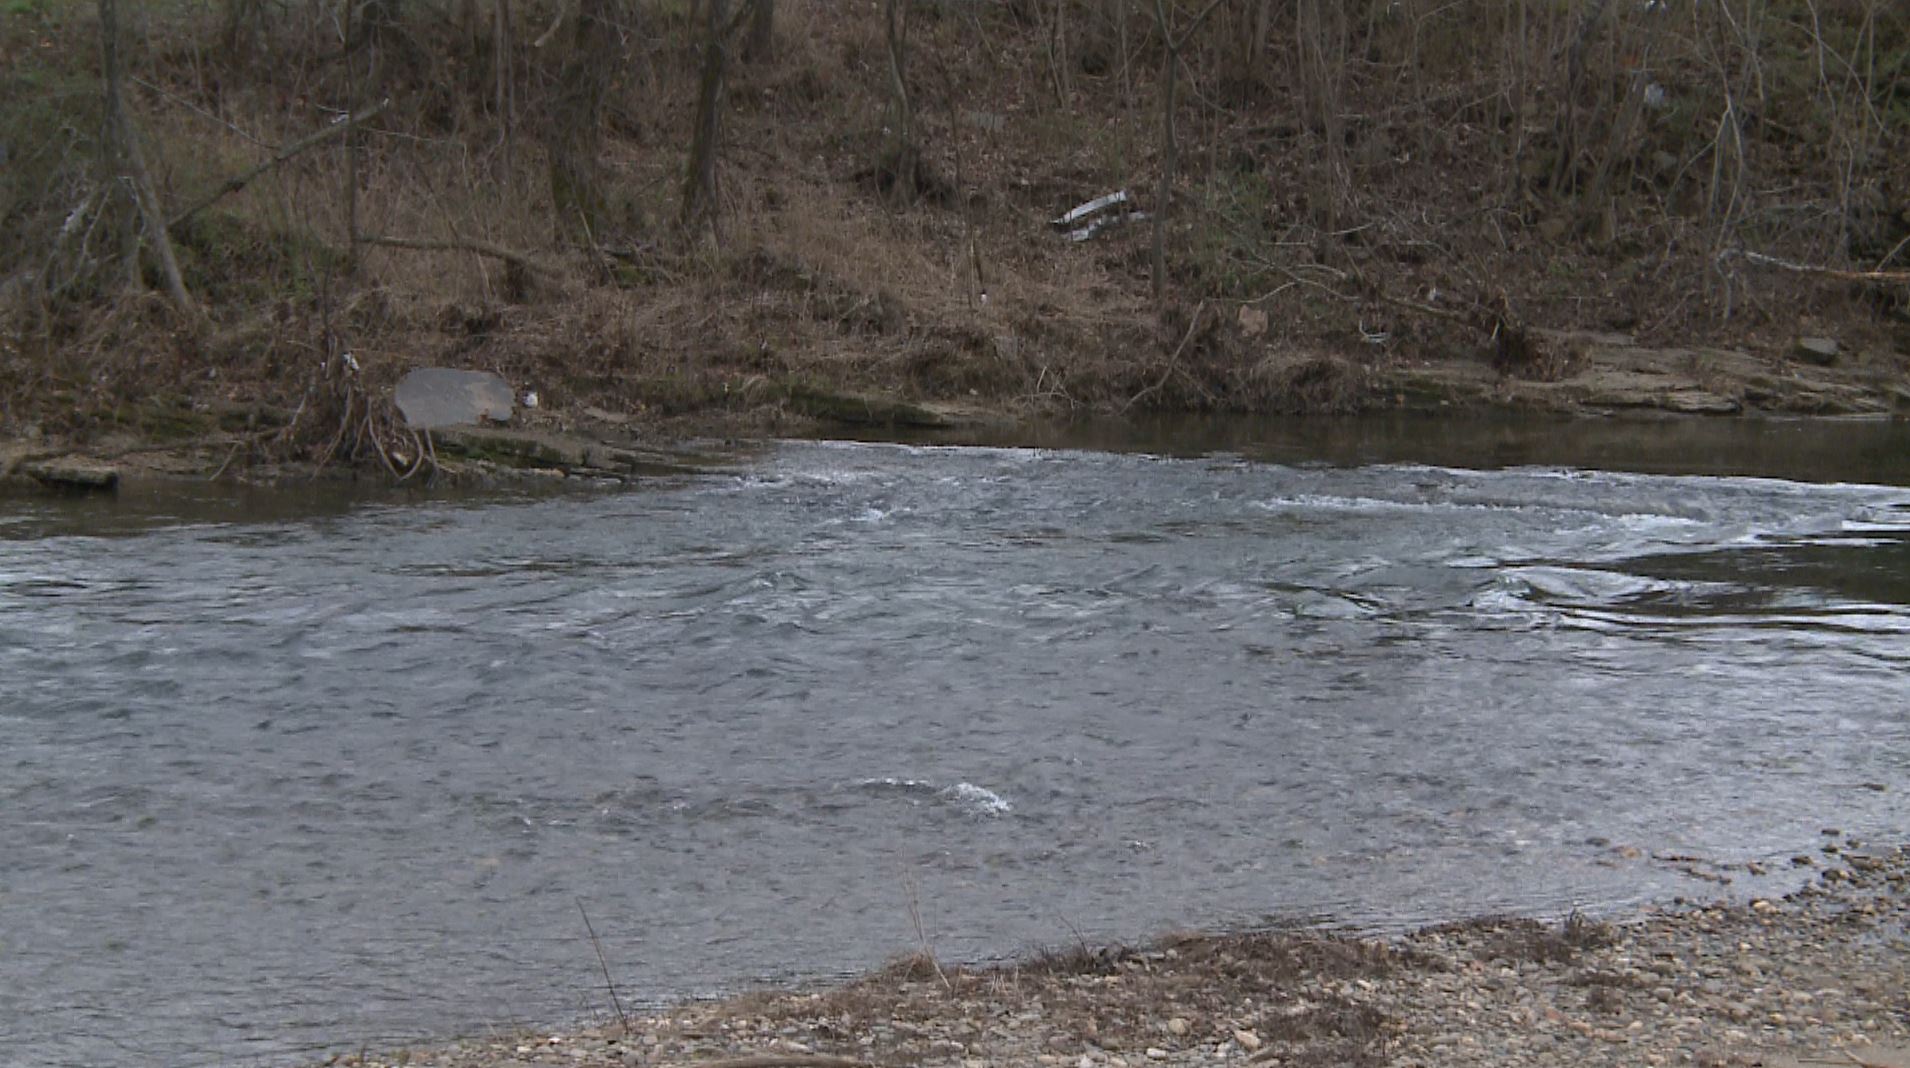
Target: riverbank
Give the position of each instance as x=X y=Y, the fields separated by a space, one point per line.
x=1820 y=976
x=1654 y=431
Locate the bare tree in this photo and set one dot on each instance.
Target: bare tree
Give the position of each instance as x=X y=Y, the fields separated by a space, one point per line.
x=128 y=167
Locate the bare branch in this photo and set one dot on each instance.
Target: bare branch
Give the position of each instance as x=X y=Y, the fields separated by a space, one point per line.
x=240 y=181
x=481 y=248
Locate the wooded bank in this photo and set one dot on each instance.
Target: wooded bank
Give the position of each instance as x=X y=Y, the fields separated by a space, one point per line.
x=647 y=205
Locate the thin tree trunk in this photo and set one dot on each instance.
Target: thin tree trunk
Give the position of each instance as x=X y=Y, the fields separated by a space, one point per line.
x=124 y=156
x=1257 y=43
x=760 y=45
x=1169 y=93
x=1171 y=45
x=699 y=180
x=576 y=125
x=501 y=45
x=351 y=148
x=901 y=151
x=1058 y=53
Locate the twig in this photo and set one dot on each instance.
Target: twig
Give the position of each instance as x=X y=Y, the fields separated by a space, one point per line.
x=601 y=962
x=1173 y=362
x=1892 y=254
x=240 y=181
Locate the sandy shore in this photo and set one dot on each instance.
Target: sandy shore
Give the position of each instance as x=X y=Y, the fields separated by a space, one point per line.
x=1821 y=976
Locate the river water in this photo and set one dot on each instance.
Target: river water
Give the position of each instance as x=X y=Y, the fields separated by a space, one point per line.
x=295 y=772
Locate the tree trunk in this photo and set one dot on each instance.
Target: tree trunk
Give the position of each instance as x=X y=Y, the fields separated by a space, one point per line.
x=575 y=134
x=699 y=179
x=1257 y=39
x=128 y=164
x=760 y=45
x=900 y=156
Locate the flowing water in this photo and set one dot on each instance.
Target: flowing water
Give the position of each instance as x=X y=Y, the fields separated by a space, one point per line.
x=281 y=774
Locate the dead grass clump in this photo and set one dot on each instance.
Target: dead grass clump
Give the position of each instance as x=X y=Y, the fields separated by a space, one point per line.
x=917 y=967
x=1335 y=1032
x=1312 y=385
x=1540 y=943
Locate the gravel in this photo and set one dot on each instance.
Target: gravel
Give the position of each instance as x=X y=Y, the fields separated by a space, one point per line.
x=1821 y=976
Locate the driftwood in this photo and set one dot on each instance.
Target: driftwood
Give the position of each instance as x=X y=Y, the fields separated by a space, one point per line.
x=240 y=181
x=793 y=1060
x=1761 y=259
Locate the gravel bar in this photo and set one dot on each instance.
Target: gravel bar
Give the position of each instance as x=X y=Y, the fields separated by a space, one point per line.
x=1820 y=976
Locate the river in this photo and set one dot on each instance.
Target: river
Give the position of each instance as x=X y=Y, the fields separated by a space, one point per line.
x=300 y=771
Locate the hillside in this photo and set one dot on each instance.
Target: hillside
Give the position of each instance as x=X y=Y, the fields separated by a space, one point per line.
x=1571 y=204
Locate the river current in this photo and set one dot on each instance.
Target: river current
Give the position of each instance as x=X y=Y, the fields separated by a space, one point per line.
x=326 y=775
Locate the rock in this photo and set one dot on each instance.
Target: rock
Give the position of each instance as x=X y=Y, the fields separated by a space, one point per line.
x=1821 y=351
x=850 y=408
x=1177 y=1027
x=1253 y=321
x=1699 y=402
x=73 y=472
x=605 y=417
x=435 y=397
x=1247 y=1040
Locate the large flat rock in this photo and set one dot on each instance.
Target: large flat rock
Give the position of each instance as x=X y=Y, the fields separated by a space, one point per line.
x=434 y=397
x=73 y=472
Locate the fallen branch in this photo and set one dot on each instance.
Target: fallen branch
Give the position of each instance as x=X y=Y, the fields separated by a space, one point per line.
x=240 y=181
x=784 y=1060
x=1810 y=268
x=496 y=252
